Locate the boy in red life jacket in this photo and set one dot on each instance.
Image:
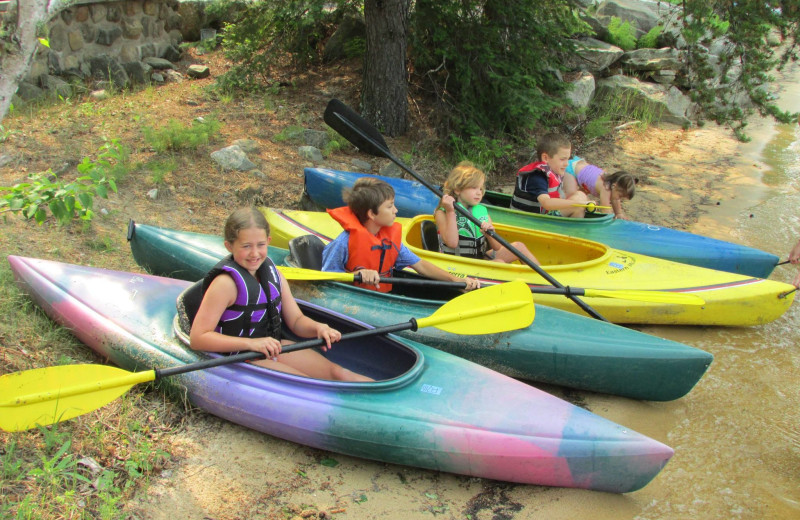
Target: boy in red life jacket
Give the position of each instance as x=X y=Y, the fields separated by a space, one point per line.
x=371 y=241
x=538 y=187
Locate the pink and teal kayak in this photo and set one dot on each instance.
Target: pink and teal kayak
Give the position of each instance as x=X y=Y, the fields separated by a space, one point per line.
x=323 y=187
x=427 y=408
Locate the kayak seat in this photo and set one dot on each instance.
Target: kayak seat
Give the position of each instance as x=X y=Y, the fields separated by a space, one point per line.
x=306 y=252
x=430 y=236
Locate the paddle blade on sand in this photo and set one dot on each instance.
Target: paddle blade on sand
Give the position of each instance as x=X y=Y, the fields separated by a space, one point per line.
x=48 y=395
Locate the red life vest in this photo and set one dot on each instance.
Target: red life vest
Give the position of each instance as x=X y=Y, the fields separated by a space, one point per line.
x=522 y=198
x=367 y=251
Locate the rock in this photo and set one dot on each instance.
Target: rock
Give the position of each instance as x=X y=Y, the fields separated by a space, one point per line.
x=652 y=59
x=593 y=55
x=316 y=138
x=351 y=27
x=232 y=158
x=247 y=145
x=198 y=71
x=582 y=90
x=311 y=153
x=158 y=63
x=361 y=166
x=663 y=103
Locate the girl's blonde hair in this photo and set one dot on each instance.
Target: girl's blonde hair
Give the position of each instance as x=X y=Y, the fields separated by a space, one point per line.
x=464 y=175
x=244 y=218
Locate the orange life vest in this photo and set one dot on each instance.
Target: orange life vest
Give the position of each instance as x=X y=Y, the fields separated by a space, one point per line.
x=367 y=251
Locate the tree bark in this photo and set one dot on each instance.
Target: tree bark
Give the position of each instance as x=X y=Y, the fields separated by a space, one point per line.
x=384 y=99
x=20 y=50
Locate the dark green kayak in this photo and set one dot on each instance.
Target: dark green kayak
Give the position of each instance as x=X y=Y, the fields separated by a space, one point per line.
x=559 y=348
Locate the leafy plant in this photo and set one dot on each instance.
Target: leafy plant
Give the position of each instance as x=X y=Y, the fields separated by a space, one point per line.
x=68 y=200
x=483 y=151
x=279 y=32
x=622 y=34
x=491 y=68
x=650 y=40
x=176 y=136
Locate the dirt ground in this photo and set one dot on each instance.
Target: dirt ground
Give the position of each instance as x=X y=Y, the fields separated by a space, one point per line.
x=220 y=470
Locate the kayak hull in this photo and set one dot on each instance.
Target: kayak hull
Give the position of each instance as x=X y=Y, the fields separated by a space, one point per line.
x=558 y=348
x=429 y=409
x=324 y=187
x=730 y=299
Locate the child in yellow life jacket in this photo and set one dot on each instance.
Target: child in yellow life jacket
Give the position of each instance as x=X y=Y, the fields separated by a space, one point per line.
x=371 y=241
x=460 y=236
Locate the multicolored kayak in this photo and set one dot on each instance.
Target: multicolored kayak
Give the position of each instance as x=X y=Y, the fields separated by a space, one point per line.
x=324 y=188
x=730 y=299
x=558 y=348
x=427 y=409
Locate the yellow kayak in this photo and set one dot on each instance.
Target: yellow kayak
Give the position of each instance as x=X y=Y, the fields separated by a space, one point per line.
x=730 y=299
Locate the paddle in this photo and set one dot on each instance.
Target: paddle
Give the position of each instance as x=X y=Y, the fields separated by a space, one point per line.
x=54 y=394
x=298 y=273
x=360 y=133
x=591 y=206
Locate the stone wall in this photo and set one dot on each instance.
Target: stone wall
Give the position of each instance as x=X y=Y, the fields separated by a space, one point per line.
x=110 y=40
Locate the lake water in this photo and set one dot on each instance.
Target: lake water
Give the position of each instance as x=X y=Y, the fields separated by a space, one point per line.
x=737 y=434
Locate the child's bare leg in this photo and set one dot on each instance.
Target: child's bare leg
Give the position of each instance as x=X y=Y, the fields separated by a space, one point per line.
x=504 y=255
x=570 y=185
x=578 y=197
x=314 y=364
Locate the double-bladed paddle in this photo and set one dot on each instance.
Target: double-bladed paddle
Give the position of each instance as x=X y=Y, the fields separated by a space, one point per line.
x=54 y=394
x=365 y=137
x=310 y=275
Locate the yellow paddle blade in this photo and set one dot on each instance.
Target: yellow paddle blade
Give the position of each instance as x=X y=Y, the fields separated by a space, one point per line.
x=297 y=273
x=53 y=394
x=647 y=296
x=497 y=308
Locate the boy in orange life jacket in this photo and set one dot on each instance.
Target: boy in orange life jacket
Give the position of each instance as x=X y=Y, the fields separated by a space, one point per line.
x=538 y=187
x=371 y=241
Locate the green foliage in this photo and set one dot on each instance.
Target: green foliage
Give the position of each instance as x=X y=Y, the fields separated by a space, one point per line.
x=491 y=66
x=650 y=40
x=68 y=200
x=279 y=32
x=161 y=168
x=608 y=112
x=176 y=136
x=622 y=34
x=482 y=151
x=729 y=90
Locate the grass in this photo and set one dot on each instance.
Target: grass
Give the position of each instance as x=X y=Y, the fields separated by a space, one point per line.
x=86 y=467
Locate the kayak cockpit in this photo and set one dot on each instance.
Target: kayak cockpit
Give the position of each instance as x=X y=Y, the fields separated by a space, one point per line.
x=390 y=362
x=551 y=249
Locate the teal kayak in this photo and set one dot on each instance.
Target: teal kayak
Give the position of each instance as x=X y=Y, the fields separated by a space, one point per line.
x=559 y=348
x=323 y=187
x=426 y=408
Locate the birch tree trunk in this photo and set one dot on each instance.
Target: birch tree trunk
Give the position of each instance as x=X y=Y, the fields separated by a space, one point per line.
x=16 y=60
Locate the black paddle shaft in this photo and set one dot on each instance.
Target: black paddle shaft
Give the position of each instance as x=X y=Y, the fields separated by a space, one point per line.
x=252 y=355
x=360 y=133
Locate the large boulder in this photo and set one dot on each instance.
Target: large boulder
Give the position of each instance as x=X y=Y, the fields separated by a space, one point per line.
x=661 y=103
x=643 y=15
x=593 y=55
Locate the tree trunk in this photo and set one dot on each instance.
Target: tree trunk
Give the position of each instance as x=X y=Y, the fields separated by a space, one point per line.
x=384 y=99
x=16 y=61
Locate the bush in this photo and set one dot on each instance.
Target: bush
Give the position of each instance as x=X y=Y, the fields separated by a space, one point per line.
x=622 y=34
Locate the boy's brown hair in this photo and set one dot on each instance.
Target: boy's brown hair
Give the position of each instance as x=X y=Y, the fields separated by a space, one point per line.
x=550 y=144
x=368 y=193
x=464 y=175
x=244 y=218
